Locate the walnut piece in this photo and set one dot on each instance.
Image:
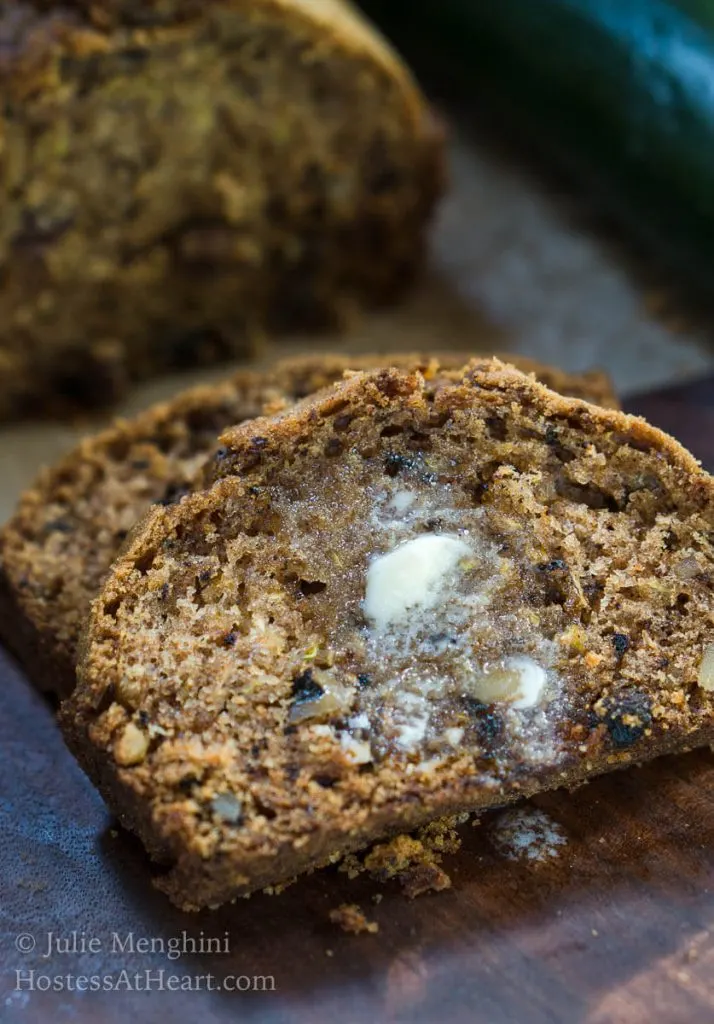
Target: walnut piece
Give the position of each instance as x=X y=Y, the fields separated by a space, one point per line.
x=131 y=747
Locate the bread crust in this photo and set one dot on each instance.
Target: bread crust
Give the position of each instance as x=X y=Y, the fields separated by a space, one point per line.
x=645 y=505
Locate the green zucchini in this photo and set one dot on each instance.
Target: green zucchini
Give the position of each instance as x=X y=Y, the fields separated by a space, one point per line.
x=622 y=91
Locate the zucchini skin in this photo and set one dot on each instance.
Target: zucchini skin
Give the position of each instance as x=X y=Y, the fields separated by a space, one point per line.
x=621 y=92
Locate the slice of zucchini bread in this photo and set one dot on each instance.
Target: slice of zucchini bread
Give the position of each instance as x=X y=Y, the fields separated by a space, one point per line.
x=179 y=176
x=71 y=523
x=395 y=601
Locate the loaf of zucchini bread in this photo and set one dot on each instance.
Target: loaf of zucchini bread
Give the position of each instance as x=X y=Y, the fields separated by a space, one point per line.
x=395 y=600
x=178 y=176
x=71 y=523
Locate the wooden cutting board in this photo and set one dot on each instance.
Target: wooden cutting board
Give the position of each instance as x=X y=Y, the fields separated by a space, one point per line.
x=595 y=907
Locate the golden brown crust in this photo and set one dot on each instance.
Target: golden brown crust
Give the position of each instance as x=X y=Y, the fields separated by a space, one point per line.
x=37 y=32
x=186 y=726
x=178 y=177
x=72 y=522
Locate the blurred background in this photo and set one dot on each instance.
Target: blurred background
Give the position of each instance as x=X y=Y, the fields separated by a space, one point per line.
x=578 y=222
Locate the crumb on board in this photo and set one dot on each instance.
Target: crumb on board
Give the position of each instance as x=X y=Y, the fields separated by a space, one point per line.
x=414 y=860
x=423 y=878
x=351 y=918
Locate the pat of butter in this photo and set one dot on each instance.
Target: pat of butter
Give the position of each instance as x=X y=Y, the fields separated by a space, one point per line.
x=411 y=577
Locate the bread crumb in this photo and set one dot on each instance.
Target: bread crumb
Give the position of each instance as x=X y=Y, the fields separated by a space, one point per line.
x=414 y=860
x=423 y=878
x=394 y=858
x=352 y=866
x=351 y=918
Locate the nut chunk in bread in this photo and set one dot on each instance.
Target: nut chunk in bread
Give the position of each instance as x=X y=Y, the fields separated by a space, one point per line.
x=179 y=175
x=393 y=602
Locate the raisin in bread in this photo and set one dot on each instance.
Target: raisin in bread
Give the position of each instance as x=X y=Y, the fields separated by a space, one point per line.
x=178 y=176
x=71 y=523
x=394 y=602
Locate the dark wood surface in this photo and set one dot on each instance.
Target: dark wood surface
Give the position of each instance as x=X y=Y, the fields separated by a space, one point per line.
x=618 y=926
